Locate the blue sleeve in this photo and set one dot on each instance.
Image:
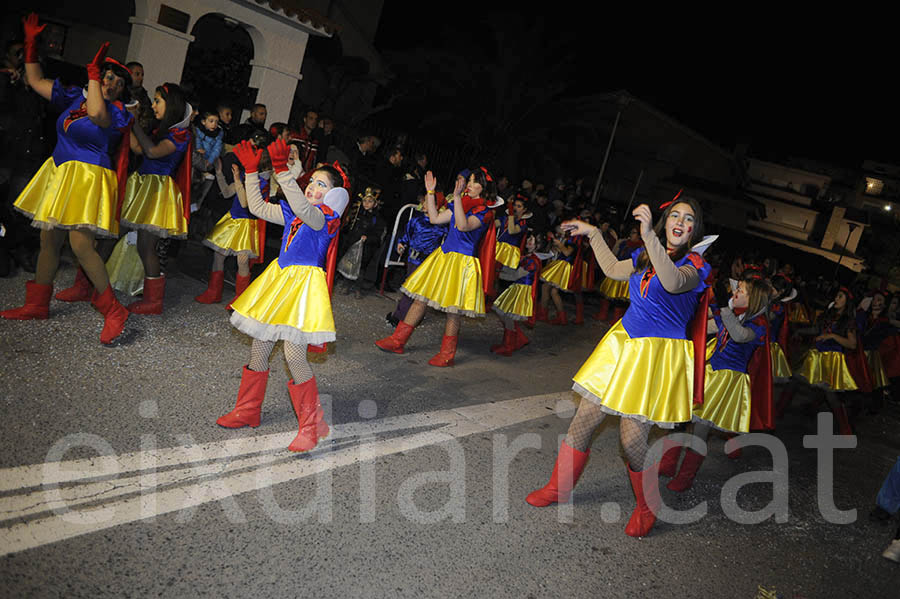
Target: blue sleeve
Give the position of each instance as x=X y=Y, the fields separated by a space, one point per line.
x=287 y=212
x=62 y=97
x=121 y=118
x=181 y=138
x=703 y=269
x=759 y=329
x=404 y=238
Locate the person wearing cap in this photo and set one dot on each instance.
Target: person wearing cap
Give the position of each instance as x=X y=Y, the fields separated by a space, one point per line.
x=76 y=193
x=156 y=204
x=290 y=300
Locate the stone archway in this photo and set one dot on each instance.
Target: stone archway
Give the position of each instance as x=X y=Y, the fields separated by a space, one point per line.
x=218 y=63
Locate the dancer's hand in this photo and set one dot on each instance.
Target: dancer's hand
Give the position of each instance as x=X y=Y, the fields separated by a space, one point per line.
x=643 y=215
x=577 y=227
x=236 y=172
x=430 y=181
x=249 y=155
x=93 y=67
x=400 y=248
x=32 y=28
x=459 y=188
x=279 y=154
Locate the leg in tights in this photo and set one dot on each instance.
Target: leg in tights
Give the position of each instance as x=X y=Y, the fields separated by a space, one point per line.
x=243 y=264
x=218 y=262
x=415 y=313
x=295 y=355
x=48 y=258
x=633 y=435
x=82 y=242
x=146 y=246
x=259 y=355
x=581 y=429
x=545 y=295
x=451 y=328
x=557 y=300
x=508 y=323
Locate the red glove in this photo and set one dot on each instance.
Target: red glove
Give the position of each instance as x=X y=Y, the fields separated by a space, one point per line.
x=248 y=155
x=509 y=207
x=93 y=67
x=32 y=30
x=278 y=154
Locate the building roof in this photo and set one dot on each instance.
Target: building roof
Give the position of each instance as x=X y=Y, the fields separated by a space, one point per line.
x=294 y=9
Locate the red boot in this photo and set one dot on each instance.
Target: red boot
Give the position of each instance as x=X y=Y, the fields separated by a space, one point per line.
x=843 y=421
x=561 y=318
x=37 y=303
x=114 y=315
x=250 y=397
x=579 y=313
x=448 y=351
x=213 y=293
x=240 y=285
x=618 y=312
x=154 y=291
x=735 y=453
x=506 y=344
x=645 y=485
x=668 y=464
x=540 y=313
x=603 y=314
x=689 y=466
x=310 y=417
x=80 y=291
x=398 y=338
x=520 y=339
x=571 y=462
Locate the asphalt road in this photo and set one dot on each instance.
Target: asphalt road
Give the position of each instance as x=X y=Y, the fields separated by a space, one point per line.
x=116 y=482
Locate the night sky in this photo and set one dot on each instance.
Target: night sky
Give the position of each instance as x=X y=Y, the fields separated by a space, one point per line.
x=805 y=84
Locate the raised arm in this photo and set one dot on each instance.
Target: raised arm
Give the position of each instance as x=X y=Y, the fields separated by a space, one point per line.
x=227 y=189
x=433 y=217
x=95 y=104
x=618 y=270
x=736 y=330
x=672 y=278
x=34 y=74
x=309 y=214
x=249 y=156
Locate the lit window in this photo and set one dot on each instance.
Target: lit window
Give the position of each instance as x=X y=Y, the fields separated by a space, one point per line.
x=874 y=187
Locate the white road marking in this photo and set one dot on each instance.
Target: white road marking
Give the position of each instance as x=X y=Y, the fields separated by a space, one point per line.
x=214 y=471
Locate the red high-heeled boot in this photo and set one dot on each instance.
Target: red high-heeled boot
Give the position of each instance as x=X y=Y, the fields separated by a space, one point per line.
x=250 y=397
x=645 y=485
x=310 y=417
x=397 y=340
x=448 y=351
x=566 y=472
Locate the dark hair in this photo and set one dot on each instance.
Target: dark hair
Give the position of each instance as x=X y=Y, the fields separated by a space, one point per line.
x=840 y=322
x=222 y=105
x=208 y=112
x=173 y=96
x=133 y=64
x=781 y=285
x=11 y=43
x=277 y=129
x=336 y=179
x=258 y=105
x=660 y=229
x=488 y=188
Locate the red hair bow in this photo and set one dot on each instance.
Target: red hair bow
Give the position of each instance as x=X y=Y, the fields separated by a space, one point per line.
x=665 y=205
x=846 y=292
x=487 y=175
x=346 y=179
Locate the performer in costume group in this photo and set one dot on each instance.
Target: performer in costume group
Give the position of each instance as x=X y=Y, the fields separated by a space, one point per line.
x=741 y=330
x=616 y=292
x=643 y=368
x=420 y=238
x=290 y=300
x=512 y=228
x=76 y=193
x=783 y=293
x=156 y=204
x=516 y=303
x=452 y=279
x=874 y=328
x=238 y=233
x=565 y=273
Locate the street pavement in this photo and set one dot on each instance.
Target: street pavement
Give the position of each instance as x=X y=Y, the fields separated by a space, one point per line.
x=116 y=482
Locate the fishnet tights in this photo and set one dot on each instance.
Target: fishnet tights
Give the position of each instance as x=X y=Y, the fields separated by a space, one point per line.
x=293 y=353
x=632 y=434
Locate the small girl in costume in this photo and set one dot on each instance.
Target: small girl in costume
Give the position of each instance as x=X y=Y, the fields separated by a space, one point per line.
x=513 y=227
x=784 y=293
x=76 y=194
x=875 y=327
x=616 y=292
x=643 y=368
x=290 y=300
x=156 y=204
x=455 y=277
x=565 y=273
x=741 y=329
x=516 y=303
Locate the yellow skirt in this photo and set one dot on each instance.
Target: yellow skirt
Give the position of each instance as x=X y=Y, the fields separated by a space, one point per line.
x=827 y=369
x=508 y=255
x=876 y=368
x=612 y=289
x=289 y=303
x=154 y=203
x=515 y=302
x=798 y=314
x=234 y=236
x=726 y=401
x=450 y=282
x=76 y=195
x=557 y=274
x=781 y=369
x=646 y=378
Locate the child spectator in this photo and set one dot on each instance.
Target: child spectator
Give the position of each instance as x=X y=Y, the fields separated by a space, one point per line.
x=208 y=138
x=367 y=225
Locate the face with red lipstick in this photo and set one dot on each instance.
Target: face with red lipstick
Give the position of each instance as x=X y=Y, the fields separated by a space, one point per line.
x=680 y=225
x=319 y=185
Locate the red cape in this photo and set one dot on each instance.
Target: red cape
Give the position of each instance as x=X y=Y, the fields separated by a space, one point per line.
x=762 y=406
x=697 y=331
x=330 y=268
